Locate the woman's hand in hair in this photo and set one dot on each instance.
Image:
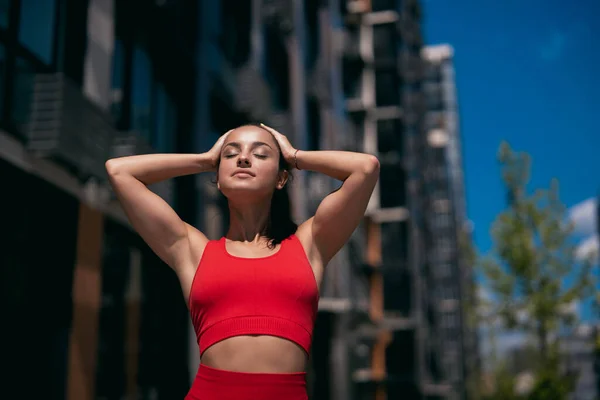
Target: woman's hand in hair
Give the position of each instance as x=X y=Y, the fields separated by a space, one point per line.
x=287 y=150
x=215 y=152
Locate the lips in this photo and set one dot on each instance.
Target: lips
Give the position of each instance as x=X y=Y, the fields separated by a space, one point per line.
x=243 y=172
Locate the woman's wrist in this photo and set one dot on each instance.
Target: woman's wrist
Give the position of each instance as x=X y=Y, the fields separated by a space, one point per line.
x=296 y=159
x=292 y=158
x=207 y=162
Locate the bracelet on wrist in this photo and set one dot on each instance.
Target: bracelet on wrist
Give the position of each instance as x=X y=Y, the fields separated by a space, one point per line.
x=296 y=160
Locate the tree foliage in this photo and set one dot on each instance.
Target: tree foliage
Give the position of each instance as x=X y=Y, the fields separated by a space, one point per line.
x=532 y=260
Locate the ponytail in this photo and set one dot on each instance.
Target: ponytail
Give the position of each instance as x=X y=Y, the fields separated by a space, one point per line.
x=280 y=225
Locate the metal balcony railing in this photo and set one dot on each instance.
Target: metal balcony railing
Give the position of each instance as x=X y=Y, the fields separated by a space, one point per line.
x=65 y=126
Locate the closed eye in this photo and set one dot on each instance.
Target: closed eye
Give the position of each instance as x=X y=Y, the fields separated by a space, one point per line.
x=229 y=155
x=261 y=156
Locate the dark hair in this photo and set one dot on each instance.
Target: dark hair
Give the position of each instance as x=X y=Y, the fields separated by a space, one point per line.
x=280 y=224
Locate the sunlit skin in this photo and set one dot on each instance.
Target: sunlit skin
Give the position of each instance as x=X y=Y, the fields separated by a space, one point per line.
x=248 y=173
x=246 y=160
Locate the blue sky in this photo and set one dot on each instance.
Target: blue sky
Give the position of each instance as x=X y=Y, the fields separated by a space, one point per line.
x=528 y=71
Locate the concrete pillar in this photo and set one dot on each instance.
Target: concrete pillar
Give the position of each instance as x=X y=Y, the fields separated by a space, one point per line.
x=257 y=54
x=87 y=292
x=296 y=47
x=341 y=388
x=133 y=298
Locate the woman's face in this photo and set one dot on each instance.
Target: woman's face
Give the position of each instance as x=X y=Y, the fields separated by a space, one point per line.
x=249 y=165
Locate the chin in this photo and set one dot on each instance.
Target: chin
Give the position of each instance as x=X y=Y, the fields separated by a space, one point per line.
x=244 y=191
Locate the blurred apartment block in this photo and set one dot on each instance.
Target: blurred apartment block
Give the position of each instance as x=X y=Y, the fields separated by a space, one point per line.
x=452 y=294
x=580 y=357
x=87 y=303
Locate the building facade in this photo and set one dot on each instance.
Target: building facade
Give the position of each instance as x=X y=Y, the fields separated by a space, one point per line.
x=107 y=78
x=87 y=310
x=384 y=107
x=578 y=356
x=406 y=327
x=451 y=294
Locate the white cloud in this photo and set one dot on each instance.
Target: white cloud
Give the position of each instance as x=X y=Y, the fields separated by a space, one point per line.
x=583 y=216
x=589 y=247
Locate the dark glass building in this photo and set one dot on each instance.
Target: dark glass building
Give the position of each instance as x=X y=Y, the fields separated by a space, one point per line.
x=87 y=310
x=451 y=293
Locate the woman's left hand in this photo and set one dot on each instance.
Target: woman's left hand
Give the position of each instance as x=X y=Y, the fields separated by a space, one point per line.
x=287 y=150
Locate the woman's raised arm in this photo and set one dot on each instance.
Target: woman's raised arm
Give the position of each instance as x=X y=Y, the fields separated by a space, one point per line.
x=154 y=220
x=340 y=212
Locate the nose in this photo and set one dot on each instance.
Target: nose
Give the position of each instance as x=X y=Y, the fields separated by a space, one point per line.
x=243 y=162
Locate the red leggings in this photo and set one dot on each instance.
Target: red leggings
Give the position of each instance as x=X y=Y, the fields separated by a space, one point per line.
x=213 y=384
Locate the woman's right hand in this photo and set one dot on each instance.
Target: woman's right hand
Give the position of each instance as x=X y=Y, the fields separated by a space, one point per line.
x=215 y=152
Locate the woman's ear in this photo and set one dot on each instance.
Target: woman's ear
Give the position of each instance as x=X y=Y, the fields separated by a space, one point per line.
x=282 y=179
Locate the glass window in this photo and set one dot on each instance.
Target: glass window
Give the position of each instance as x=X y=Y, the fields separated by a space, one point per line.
x=165 y=119
x=4 y=13
x=313 y=125
x=387 y=87
x=2 y=75
x=383 y=5
x=23 y=92
x=36 y=27
x=118 y=69
x=390 y=136
x=141 y=93
x=385 y=38
x=276 y=68
x=236 y=21
x=311 y=15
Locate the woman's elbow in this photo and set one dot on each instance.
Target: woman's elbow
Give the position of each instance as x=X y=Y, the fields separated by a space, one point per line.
x=371 y=165
x=112 y=167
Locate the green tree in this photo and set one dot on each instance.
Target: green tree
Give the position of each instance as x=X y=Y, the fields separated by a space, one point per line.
x=530 y=262
x=471 y=314
x=504 y=384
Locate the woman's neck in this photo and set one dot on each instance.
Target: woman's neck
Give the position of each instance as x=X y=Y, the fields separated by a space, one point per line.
x=248 y=223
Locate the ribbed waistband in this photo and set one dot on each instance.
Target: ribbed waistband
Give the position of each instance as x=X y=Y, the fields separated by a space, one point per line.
x=250 y=378
x=255 y=325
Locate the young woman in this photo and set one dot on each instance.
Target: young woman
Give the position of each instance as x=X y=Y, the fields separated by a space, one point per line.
x=252 y=294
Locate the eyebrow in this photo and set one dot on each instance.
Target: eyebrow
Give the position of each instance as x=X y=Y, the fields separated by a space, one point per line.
x=254 y=144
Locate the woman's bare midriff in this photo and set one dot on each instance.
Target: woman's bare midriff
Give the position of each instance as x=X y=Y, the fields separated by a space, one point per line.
x=256 y=353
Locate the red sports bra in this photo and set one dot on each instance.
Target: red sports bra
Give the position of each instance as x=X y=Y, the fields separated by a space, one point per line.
x=275 y=295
